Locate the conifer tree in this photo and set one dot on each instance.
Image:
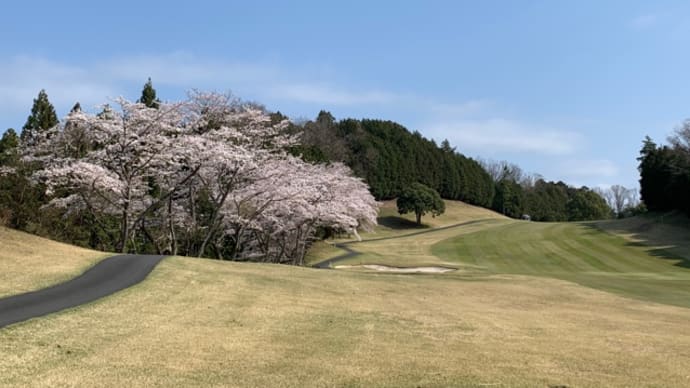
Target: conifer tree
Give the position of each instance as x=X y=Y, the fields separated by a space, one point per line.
x=8 y=147
x=148 y=96
x=42 y=117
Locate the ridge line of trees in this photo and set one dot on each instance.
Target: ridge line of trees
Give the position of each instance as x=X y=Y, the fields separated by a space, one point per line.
x=38 y=167
x=390 y=159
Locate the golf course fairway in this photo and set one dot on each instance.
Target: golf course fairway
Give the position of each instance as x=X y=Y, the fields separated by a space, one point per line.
x=530 y=305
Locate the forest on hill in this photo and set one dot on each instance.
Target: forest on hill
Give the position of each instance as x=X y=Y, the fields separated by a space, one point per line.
x=177 y=209
x=390 y=158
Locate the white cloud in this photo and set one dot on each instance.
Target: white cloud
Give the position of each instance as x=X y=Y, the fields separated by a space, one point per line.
x=93 y=83
x=599 y=168
x=474 y=126
x=461 y=109
x=185 y=70
x=645 y=21
x=501 y=135
x=325 y=94
x=22 y=77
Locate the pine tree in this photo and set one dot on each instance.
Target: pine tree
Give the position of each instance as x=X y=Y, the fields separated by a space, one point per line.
x=148 y=96
x=42 y=117
x=76 y=108
x=8 y=147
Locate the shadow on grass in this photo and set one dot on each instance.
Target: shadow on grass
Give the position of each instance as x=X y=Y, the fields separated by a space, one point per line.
x=395 y=222
x=646 y=241
x=663 y=253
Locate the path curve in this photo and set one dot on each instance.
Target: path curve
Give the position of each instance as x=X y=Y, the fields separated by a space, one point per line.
x=350 y=253
x=105 y=278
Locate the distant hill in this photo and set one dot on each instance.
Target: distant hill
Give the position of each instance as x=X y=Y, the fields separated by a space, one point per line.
x=390 y=157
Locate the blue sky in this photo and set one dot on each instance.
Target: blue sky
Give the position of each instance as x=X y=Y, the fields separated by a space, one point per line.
x=564 y=89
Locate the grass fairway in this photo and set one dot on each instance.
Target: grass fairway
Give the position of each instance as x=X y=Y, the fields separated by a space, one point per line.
x=206 y=323
x=29 y=263
x=412 y=250
x=581 y=253
x=528 y=307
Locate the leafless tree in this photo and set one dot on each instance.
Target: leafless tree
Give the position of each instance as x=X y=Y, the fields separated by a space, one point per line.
x=500 y=170
x=620 y=198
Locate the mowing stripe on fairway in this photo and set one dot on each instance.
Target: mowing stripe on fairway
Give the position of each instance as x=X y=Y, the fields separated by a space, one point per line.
x=577 y=252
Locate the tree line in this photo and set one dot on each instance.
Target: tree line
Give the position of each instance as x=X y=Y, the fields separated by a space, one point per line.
x=199 y=177
x=530 y=196
x=391 y=159
x=665 y=172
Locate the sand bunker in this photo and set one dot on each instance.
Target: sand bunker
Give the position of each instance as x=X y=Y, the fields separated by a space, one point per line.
x=385 y=268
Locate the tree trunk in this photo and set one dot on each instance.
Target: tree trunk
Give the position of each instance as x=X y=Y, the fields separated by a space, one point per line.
x=124 y=232
x=419 y=218
x=171 y=225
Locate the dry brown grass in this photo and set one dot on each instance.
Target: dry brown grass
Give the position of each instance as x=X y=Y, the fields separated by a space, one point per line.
x=456 y=212
x=393 y=224
x=28 y=263
x=204 y=323
x=322 y=250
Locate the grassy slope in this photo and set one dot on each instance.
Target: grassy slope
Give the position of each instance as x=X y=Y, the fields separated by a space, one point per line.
x=29 y=263
x=576 y=252
x=204 y=323
x=198 y=322
x=392 y=224
x=670 y=232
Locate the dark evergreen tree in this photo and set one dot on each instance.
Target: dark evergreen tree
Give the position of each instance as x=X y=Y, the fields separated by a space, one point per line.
x=508 y=198
x=42 y=117
x=586 y=205
x=148 y=95
x=655 y=169
x=391 y=158
x=9 y=144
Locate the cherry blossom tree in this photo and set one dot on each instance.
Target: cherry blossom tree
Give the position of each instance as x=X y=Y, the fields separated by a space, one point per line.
x=210 y=176
x=125 y=151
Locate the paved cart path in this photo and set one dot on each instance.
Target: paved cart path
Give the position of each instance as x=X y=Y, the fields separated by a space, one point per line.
x=105 y=278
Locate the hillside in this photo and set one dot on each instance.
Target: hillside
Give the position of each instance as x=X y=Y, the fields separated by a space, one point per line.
x=29 y=263
x=577 y=252
x=391 y=224
x=667 y=231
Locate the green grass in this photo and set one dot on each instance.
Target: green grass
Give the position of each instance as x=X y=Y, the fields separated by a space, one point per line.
x=531 y=305
x=581 y=253
x=413 y=248
x=668 y=230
